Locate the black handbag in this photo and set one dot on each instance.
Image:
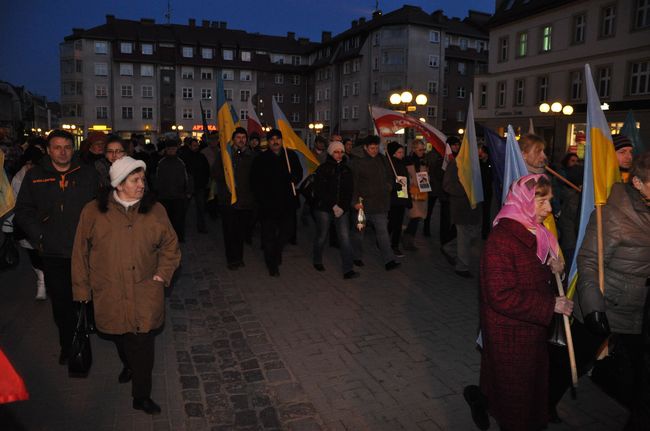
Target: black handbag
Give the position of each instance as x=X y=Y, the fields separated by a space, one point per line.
x=9 y=255
x=557 y=336
x=81 y=357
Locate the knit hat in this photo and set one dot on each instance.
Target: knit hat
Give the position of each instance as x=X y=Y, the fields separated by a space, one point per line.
x=621 y=141
x=121 y=168
x=335 y=145
x=95 y=137
x=272 y=133
x=393 y=147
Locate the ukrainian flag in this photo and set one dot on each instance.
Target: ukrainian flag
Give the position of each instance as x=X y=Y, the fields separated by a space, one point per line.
x=469 y=170
x=601 y=169
x=226 y=125
x=514 y=166
x=7 y=198
x=291 y=140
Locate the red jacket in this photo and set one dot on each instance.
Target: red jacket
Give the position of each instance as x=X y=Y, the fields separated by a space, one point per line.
x=516 y=306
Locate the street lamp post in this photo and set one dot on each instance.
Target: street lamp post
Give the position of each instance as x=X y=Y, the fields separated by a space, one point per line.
x=556 y=109
x=405 y=100
x=315 y=128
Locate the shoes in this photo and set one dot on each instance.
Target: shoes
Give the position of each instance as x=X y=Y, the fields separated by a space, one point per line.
x=63 y=357
x=450 y=259
x=125 y=375
x=358 y=262
x=147 y=405
x=274 y=272
x=397 y=252
x=464 y=274
x=41 y=295
x=350 y=275
x=553 y=417
x=319 y=267
x=478 y=405
x=392 y=265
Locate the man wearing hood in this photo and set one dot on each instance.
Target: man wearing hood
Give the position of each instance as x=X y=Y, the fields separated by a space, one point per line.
x=50 y=201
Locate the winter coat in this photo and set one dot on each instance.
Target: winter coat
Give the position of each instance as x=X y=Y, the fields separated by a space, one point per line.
x=373 y=181
x=172 y=181
x=103 y=167
x=333 y=185
x=402 y=171
x=436 y=174
x=198 y=167
x=242 y=163
x=116 y=254
x=460 y=209
x=49 y=204
x=414 y=165
x=626 y=251
x=271 y=182
x=516 y=309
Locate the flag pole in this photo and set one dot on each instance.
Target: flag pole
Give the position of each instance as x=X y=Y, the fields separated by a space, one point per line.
x=564 y=180
x=601 y=254
x=569 y=338
x=286 y=157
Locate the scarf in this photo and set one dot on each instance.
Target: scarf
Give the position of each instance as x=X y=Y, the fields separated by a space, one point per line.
x=520 y=206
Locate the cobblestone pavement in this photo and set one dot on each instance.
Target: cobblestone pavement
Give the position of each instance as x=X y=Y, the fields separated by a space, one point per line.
x=306 y=351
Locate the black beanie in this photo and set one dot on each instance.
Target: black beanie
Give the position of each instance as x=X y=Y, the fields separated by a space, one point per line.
x=621 y=141
x=272 y=133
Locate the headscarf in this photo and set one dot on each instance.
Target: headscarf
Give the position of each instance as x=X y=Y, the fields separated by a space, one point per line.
x=520 y=206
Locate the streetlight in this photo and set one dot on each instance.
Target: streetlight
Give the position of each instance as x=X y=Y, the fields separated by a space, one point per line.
x=316 y=128
x=461 y=131
x=556 y=109
x=405 y=98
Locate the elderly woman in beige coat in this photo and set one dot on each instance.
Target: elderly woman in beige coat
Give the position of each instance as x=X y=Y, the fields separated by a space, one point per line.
x=125 y=253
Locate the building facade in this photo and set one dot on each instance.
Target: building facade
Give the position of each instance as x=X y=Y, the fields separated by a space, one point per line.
x=538 y=49
x=147 y=78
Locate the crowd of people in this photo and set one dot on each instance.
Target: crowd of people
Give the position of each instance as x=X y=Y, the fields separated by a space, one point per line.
x=103 y=224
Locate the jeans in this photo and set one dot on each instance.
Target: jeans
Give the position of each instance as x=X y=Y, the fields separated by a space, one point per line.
x=58 y=279
x=323 y=220
x=380 y=222
x=466 y=235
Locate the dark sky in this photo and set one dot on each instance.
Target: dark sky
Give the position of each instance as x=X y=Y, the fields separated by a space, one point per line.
x=31 y=30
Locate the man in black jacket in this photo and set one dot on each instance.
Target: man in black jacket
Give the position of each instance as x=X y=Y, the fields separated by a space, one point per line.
x=173 y=187
x=275 y=175
x=237 y=216
x=198 y=167
x=50 y=201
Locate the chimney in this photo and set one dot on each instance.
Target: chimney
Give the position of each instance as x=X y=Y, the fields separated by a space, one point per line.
x=205 y=23
x=354 y=23
x=291 y=35
x=326 y=36
x=362 y=20
x=110 y=19
x=192 y=22
x=376 y=14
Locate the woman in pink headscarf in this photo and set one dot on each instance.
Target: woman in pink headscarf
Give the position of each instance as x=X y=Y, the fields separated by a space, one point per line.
x=517 y=303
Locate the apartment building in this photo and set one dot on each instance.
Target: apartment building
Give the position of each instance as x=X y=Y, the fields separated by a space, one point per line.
x=538 y=49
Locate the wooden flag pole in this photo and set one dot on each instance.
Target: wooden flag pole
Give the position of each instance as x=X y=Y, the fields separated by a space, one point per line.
x=569 y=337
x=564 y=180
x=286 y=157
x=601 y=254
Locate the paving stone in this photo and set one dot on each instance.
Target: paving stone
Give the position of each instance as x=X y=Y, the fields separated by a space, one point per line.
x=211 y=387
x=185 y=369
x=189 y=382
x=279 y=375
x=202 y=359
x=201 y=349
x=245 y=418
x=192 y=395
x=183 y=356
x=239 y=402
x=217 y=402
x=259 y=400
x=194 y=409
x=269 y=418
x=249 y=364
x=231 y=376
x=253 y=376
x=296 y=411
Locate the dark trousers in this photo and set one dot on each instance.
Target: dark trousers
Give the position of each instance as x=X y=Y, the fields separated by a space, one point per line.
x=486 y=213
x=447 y=230
x=199 y=198
x=176 y=213
x=58 y=280
x=276 y=231
x=431 y=202
x=236 y=225
x=34 y=258
x=136 y=352
x=412 y=226
x=395 y=217
x=585 y=345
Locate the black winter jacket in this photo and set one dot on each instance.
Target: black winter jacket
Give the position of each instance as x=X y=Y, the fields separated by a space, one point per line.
x=242 y=163
x=271 y=182
x=197 y=166
x=172 y=181
x=373 y=181
x=333 y=185
x=50 y=203
x=400 y=169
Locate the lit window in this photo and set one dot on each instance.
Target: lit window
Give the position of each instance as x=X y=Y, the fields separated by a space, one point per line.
x=522 y=44
x=547 y=38
x=188 y=52
x=245 y=56
x=147 y=49
x=126 y=47
x=434 y=36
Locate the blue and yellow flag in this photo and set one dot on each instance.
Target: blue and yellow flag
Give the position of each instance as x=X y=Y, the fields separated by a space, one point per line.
x=226 y=125
x=291 y=140
x=630 y=130
x=514 y=166
x=7 y=198
x=469 y=170
x=601 y=169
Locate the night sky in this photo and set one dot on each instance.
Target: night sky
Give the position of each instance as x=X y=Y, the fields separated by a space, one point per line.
x=31 y=30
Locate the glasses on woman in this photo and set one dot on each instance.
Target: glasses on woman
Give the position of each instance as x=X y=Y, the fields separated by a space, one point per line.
x=116 y=152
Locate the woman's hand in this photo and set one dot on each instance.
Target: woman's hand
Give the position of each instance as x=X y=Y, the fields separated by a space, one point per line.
x=358 y=206
x=158 y=278
x=556 y=264
x=563 y=305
